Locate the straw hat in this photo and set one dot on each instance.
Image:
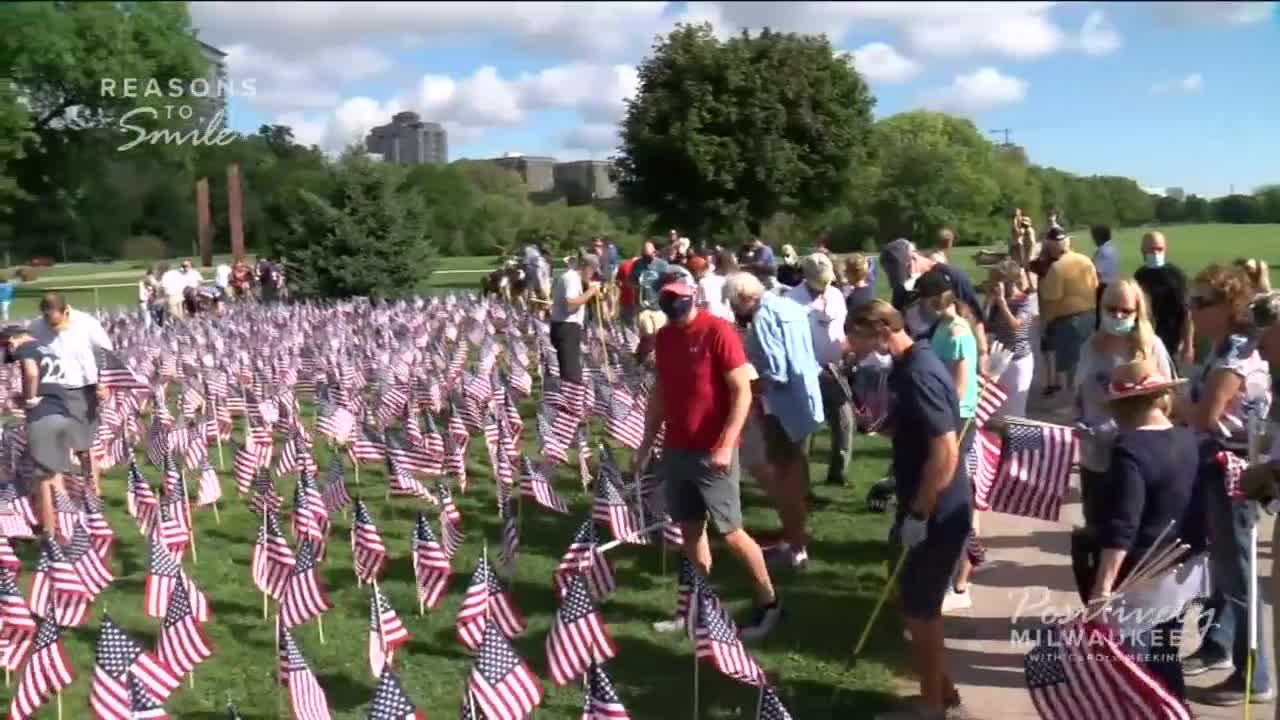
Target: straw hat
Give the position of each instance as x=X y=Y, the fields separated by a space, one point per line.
x=1138 y=378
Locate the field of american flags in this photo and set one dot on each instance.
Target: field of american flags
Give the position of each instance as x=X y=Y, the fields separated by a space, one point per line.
x=805 y=660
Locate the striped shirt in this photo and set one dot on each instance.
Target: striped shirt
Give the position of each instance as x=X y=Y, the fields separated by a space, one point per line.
x=1018 y=340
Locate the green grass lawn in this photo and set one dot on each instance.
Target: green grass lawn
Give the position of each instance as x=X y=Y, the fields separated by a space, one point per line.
x=805 y=659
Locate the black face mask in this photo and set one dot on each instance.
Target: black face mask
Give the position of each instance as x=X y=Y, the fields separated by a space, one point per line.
x=675 y=307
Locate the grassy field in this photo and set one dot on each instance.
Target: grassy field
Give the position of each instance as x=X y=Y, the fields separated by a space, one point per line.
x=806 y=658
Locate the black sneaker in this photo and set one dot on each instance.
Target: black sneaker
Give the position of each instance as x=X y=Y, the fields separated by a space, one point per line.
x=764 y=618
x=1230 y=693
x=1197 y=664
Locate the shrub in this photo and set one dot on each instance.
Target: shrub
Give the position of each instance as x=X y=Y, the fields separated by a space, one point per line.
x=144 y=247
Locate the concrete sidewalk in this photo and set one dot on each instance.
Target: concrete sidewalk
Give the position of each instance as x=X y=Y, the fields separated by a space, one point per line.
x=1028 y=571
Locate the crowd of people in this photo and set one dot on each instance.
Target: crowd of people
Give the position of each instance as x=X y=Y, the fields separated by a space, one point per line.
x=167 y=293
x=753 y=352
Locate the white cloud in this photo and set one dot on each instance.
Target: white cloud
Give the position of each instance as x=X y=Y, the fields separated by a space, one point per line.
x=596 y=140
x=983 y=89
x=587 y=29
x=304 y=82
x=1189 y=84
x=1227 y=13
x=879 y=62
x=1099 y=35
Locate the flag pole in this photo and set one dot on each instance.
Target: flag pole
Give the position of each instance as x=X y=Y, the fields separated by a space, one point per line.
x=382 y=636
x=760 y=701
x=1255 y=456
x=59 y=705
x=693 y=610
x=279 y=674
x=191 y=521
x=267 y=540
x=320 y=624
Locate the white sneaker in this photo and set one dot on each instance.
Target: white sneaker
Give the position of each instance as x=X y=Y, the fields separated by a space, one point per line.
x=956 y=600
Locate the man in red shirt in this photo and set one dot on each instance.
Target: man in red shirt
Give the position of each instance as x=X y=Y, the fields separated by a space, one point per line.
x=626 y=292
x=703 y=395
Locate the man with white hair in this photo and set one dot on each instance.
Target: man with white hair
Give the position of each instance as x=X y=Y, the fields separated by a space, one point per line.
x=827 y=310
x=780 y=346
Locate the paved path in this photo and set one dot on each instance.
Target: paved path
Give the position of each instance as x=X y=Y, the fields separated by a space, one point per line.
x=1029 y=563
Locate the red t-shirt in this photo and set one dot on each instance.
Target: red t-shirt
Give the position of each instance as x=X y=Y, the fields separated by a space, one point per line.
x=692 y=362
x=626 y=293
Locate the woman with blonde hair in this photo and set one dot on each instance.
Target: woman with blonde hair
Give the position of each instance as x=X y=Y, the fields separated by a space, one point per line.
x=1258 y=272
x=1011 y=316
x=1126 y=335
x=1233 y=382
x=859 y=289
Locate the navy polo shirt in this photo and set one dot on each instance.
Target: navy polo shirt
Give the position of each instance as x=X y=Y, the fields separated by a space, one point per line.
x=924 y=407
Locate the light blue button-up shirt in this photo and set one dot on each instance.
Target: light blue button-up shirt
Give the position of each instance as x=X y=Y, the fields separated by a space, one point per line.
x=780 y=346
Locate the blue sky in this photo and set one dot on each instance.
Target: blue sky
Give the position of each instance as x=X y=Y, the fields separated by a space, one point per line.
x=1172 y=94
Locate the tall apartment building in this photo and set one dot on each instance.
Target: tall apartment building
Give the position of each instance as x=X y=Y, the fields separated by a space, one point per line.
x=217 y=77
x=407 y=140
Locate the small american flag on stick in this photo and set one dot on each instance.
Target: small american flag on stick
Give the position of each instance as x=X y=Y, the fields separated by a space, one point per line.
x=582 y=558
x=390 y=701
x=306 y=697
x=369 y=554
x=304 y=598
x=121 y=662
x=386 y=632
x=578 y=636
x=486 y=603
x=503 y=685
x=46 y=671
x=431 y=566
x=602 y=701
x=1034 y=471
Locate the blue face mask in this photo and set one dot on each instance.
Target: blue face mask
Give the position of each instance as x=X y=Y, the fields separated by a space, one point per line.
x=675 y=307
x=1153 y=260
x=1117 y=326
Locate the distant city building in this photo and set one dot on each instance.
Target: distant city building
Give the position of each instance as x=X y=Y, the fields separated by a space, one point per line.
x=586 y=179
x=407 y=140
x=217 y=77
x=1176 y=193
x=535 y=172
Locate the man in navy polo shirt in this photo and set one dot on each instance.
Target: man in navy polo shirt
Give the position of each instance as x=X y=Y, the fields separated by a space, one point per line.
x=933 y=491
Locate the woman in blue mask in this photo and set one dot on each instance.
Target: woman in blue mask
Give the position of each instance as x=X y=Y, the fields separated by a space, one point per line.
x=1125 y=335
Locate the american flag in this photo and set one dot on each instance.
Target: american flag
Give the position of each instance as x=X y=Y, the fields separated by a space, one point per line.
x=611 y=508
x=182 y=644
x=163 y=575
x=625 y=423
x=578 y=636
x=141 y=500
x=17 y=624
x=264 y=496
x=983 y=464
x=390 y=701
x=400 y=481
x=337 y=425
x=368 y=446
x=306 y=697
x=8 y=558
x=122 y=662
x=716 y=638
x=46 y=671
x=990 y=400
x=335 y=489
x=86 y=561
x=1078 y=672
x=456 y=440
x=304 y=598
x=431 y=566
x=486 y=600
x=503 y=685
x=115 y=374
x=451 y=532
x=771 y=708
x=309 y=516
x=386 y=632
x=1233 y=466
x=565 y=424
x=583 y=559
x=57 y=587
x=508 y=514
x=369 y=554
x=271 y=561
x=210 y=488
x=1034 y=470
x=602 y=701
x=534 y=484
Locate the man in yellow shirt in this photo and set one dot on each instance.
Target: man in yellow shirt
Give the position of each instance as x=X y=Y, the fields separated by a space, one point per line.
x=1068 y=299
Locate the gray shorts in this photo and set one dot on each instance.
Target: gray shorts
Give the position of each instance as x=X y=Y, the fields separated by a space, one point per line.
x=50 y=441
x=82 y=403
x=694 y=491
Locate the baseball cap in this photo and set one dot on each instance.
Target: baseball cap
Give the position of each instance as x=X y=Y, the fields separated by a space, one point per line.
x=1056 y=234
x=933 y=283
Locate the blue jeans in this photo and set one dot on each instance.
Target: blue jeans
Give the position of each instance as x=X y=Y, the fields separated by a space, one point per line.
x=1230 y=523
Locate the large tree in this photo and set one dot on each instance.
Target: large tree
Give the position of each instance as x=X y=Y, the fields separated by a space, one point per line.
x=721 y=135
x=935 y=171
x=367 y=237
